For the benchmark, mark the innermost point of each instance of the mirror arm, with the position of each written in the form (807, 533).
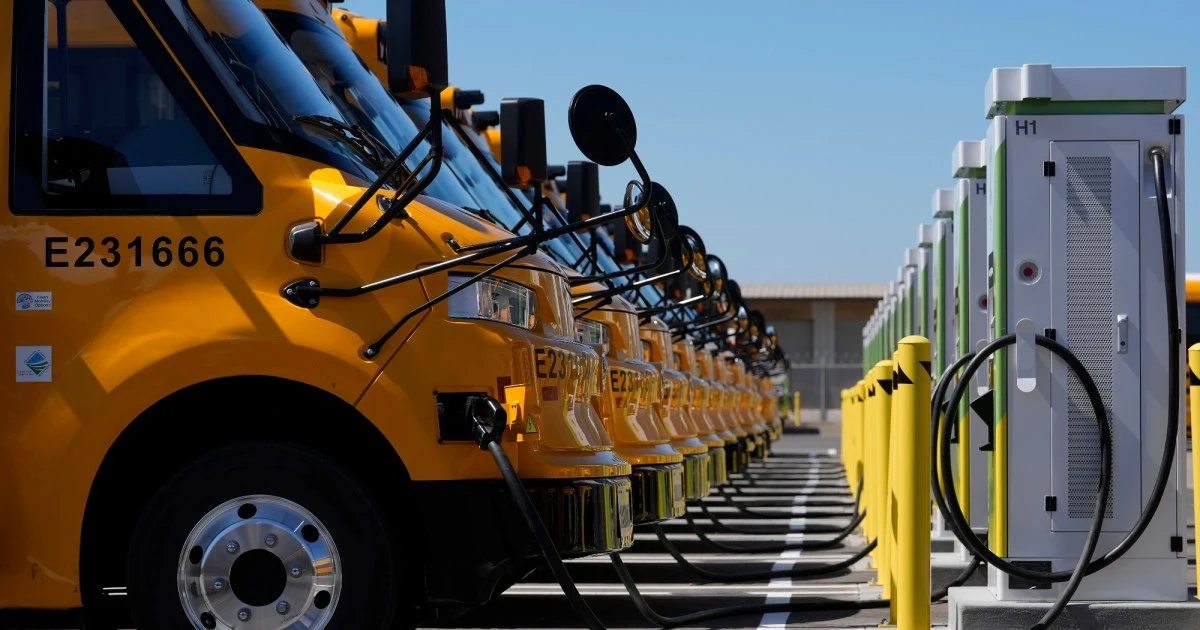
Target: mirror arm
(530, 217)
(601, 245)
(693, 327)
(372, 350)
(586, 249)
(642, 300)
(647, 185)
(526, 215)
(432, 131)
(599, 304)
(659, 310)
(307, 292)
(589, 255)
(553, 233)
(624, 273)
(633, 286)
(663, 256)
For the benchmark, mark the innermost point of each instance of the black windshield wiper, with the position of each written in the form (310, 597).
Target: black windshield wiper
(371, 149)
(486, 215)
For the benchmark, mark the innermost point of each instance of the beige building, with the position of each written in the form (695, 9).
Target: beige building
(820, 329)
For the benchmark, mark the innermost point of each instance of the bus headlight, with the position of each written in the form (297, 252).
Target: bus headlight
(493, 298)
(592, 333)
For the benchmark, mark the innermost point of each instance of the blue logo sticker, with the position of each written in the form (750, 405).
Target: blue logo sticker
(34, 301)
(37, 363)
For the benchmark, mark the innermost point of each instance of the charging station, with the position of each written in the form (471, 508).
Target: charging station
(871, 337)
(1075, 255)
(892, 314)
(925, 284)
(895, 313)
(942, 327)
(882, 324)
(911, 294)
(968, 201)
(936, 274)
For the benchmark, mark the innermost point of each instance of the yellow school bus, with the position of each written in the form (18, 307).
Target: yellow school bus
(256, 356)
(657, 447)
(1192, 330)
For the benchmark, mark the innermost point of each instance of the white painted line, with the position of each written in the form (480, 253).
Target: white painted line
(787, 560)
(695, 590)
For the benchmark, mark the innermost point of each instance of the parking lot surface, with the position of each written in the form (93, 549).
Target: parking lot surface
(799, 489)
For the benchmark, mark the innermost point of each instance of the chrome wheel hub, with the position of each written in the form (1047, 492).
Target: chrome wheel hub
(259, 563)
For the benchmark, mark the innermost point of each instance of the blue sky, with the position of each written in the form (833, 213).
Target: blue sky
(803, 140)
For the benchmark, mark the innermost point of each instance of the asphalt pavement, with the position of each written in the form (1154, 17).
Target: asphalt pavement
(798, 494)
(798, 490)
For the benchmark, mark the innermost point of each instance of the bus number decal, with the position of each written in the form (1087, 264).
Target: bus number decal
(621, 380)
(109, 251)
(550, 363)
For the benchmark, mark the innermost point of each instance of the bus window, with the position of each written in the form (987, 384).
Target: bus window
(101, 131)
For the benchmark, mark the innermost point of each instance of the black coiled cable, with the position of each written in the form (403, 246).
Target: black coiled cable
(963, 529)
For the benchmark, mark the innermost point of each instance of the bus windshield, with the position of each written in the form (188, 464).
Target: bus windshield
(272, 85)
(358, 94)
(487, 194)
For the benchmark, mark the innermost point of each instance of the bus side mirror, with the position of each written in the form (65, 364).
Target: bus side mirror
(734, 292)
(484, 119)
(415, 53)
(461, 100)
(523, 143)
(583, 191)
(717, 274)
(626, 248)
(602, 125)
(666, 216)
(666, 213)
(692, 254)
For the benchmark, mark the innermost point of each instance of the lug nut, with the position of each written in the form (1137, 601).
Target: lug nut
(232, 546)
(244, 614)
(270, 540)
(282, 608)
(218, 584)
(296, 571)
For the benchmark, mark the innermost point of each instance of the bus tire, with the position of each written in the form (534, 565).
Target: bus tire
(264, 529)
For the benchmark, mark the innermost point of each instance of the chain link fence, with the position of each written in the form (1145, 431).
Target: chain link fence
(820, 385)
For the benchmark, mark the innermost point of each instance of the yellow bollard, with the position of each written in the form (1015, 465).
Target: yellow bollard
(846, 412)
(796, 407)
(856, 437)
(860, 432)
(1194, 401)
(848, 430)
(908, 486)
(887, 529)
(854, 422)
(877, 427)
(887, 410)
(868, 452)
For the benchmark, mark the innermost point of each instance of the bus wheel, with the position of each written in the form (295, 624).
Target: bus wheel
(263, 536)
